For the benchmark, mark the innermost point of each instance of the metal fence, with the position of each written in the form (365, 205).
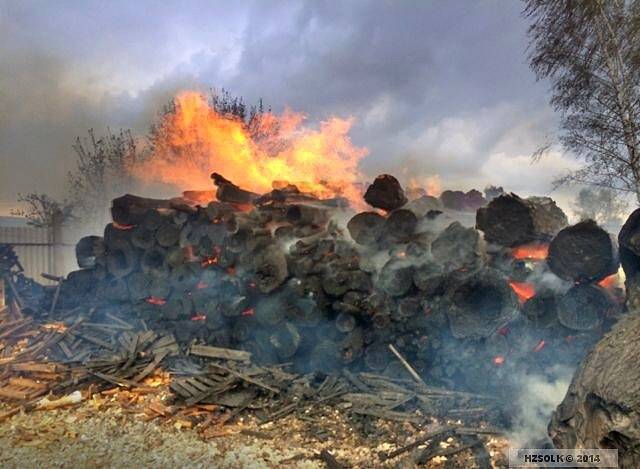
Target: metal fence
(39, 250)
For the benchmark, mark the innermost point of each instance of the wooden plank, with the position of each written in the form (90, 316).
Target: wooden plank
(219, 352)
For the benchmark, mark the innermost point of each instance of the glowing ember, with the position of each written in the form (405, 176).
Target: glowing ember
(119, 226)
(201, 285)
(539, 347)
(199, 317)
(531, 252)
(524, 290)
(498, 360)
(609, 282)
(154, 300)
(195, 140)
(210, 260)
(248, 312)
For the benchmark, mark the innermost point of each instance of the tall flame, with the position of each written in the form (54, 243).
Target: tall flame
(195, 140)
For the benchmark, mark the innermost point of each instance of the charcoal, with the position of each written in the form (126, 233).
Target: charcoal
(366, 227)
(385, 193)
(583, 252)
(511, 221)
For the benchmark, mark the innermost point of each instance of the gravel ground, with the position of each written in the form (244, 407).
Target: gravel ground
(81, 437)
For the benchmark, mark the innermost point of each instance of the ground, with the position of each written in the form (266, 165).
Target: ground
(102, 433)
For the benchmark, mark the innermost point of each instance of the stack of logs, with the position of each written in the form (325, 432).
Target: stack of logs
(282, 276)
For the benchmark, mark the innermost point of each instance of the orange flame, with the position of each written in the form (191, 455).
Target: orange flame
(524, 290)
(195, 140)
(609, 282)
(532, 252)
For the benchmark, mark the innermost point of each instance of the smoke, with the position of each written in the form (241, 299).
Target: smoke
(537, 398)
(471, 120)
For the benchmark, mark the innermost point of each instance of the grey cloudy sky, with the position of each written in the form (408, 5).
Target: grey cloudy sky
(437, 88)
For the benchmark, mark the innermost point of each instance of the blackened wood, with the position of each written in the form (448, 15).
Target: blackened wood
(399, 226)
(385, 193)
(308, 214)
(168, 234)
(366, 227)
(87, 249)
(131, 209)
(509, 220)
(457, 248)
(122, 259)
(286, 340)
(229, 192)
(583, 252)
(270, 268)
(629, 243)
(143, 237)
(583, 307)
(479, 303)
(396, 278)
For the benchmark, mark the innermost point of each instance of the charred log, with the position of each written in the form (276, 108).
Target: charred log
(583, 252)
(385, 193)
(510, 221)
(583, 307)
(87, 249)
(366, 227)
(479, 304)
(229, 192)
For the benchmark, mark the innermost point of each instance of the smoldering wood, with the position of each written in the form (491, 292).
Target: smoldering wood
(542, 309)
(285, 340)
(386, 193)
(131, 209)
(143, 237)
(122, 259)
(87, 249)
(396, 278)
(462, 201)
(167, 234)
(583, 307)
(399, 226)
(479, 303)
(428, 277)
(154, 263)
(229, 192)
(270, 269)
(583, 252)
(307, 214)
(366, 227)
(457, 248)
(510, 221)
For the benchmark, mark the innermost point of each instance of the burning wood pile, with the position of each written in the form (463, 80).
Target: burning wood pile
(290, 277)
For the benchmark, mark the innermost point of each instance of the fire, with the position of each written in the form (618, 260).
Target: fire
(154, 300)
(202, 285)
(417, 187)
(609, 282)
(524, 290)
(195, 140)
(531, 252)
(199, 317)
(539, 346)
(498, 360)
(248, 312)
(120, 226)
